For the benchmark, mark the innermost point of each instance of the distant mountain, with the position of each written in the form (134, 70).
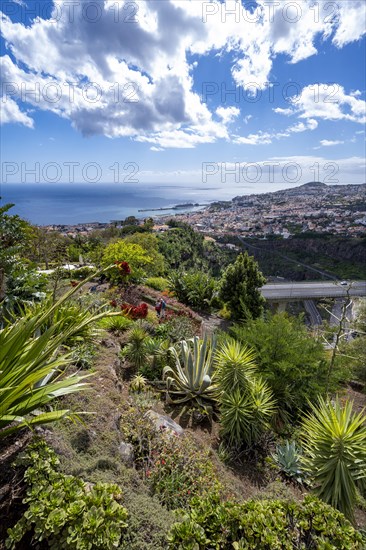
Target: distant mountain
(306, 189)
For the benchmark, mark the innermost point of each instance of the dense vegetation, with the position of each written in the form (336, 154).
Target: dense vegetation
(266, 449)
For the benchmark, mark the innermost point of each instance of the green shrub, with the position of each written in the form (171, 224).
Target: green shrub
(175, 468)
(83, 355)
(117, 323)
(176, 329)
(83, 272)
(193, 288)
(181, 471)
(148, 522)
(64, 511)
(138, 383)
(292, 362)
(246, 415)
(263, 525)
(157, 283)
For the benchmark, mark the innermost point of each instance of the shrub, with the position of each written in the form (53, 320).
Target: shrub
(175, 467)
(239, 288)
(82, 272)
(157, 283)
(138, 383)
(193, 288)
(246, 402)
(83, 355)
(176, 328)
(265, 525)
(64, 511)
(334, 442)
(180, 471)
(235, 366)
(289, 359)
(117, 323)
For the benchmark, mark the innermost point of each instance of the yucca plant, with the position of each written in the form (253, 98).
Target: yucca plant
(138, 383)
(32, 367)
(334, 443)
(246, 415)
(189, 381)
(235, 366)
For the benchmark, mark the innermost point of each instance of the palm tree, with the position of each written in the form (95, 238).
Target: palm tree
(334, 443)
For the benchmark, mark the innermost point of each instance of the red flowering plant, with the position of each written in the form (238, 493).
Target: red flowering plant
(74, 283)
(123, 267)
(135, 312)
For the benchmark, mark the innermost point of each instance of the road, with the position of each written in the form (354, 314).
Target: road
(307, 291)
(312, 311)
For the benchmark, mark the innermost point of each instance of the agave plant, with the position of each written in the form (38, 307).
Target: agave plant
(288, 459)
(189, 381)
(334, 443)
(32, 367)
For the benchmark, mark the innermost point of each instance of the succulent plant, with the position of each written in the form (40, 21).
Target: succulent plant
(189, 381)
(288, 459)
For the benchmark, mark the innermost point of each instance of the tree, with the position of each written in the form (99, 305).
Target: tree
(182, 247)
(137, 258)
(289, 358)
(150, 244)
(14, 236)
(239, 288)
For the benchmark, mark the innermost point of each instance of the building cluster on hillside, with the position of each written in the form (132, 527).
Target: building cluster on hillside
(339, 210)
(311, 208)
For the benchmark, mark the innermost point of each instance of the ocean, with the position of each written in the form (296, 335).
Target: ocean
(45, 204)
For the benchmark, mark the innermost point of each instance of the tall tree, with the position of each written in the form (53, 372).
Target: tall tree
(239, 288)
(14, 236)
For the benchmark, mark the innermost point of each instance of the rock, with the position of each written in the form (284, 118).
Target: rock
(126, 452)
(108, 343)
(163, 422)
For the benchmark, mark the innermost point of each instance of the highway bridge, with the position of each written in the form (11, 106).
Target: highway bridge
(289, 292)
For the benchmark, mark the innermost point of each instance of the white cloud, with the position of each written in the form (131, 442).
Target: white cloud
(148, 60)
(228, 114)
(261, 138)
(265, 138)
(330, 143)
(286, 112)
(328, 102)
(10, 112)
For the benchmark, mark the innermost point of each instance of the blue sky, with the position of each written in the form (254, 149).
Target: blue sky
(183, 91)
